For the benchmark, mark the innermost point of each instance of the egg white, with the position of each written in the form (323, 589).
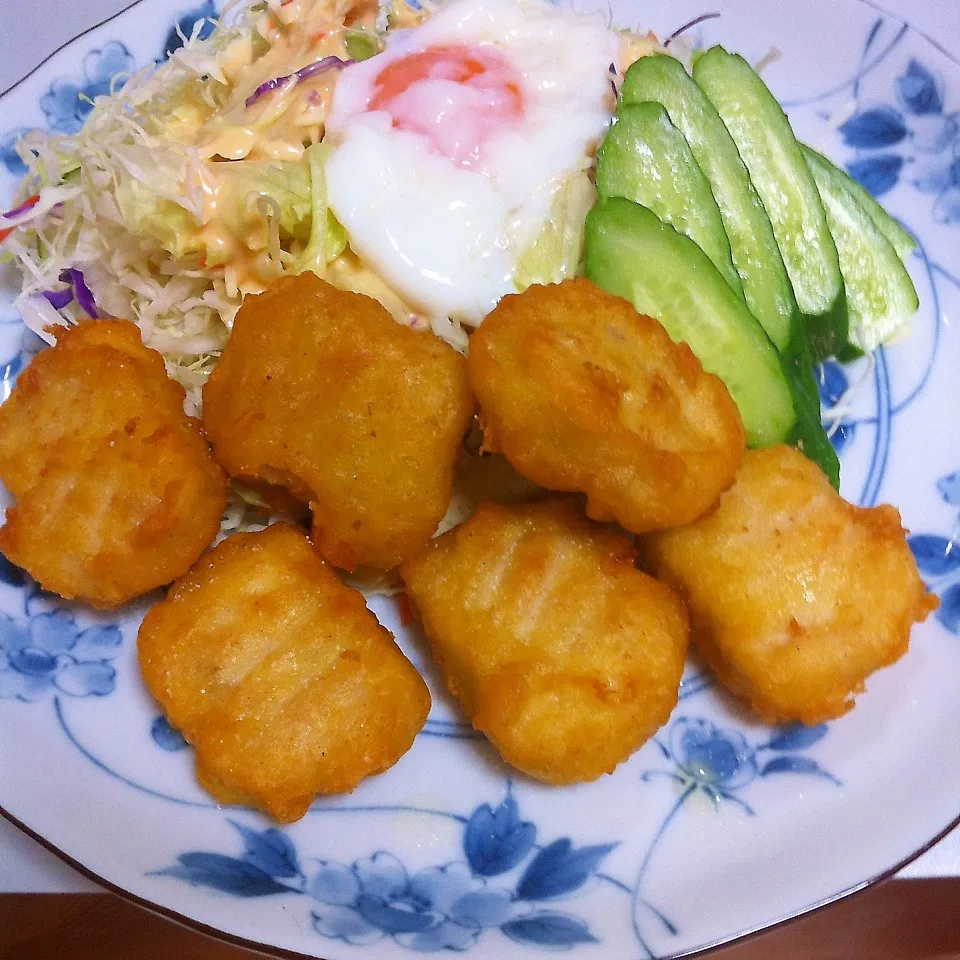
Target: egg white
(444, 235)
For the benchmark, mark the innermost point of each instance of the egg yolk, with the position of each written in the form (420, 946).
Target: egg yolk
(454, 95)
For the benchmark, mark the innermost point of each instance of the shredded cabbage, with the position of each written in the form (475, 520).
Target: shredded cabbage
(143, 204)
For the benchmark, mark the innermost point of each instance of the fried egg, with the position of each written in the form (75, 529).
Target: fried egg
(448, 147)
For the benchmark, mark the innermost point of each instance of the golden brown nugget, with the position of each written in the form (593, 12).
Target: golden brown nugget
(795, 595)
(279, 675)
(321, 391)
(582, 393)
(116, 490)
(563, 653)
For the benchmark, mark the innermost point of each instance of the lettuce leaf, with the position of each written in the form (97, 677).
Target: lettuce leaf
(327, 238)
(147, 213)
(288, 184)
(555, 254)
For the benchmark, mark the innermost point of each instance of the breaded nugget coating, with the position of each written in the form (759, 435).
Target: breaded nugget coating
(321, 391)
(279, 675)
(795, 595)
(116, 490)
(563, 653)
(582, 393)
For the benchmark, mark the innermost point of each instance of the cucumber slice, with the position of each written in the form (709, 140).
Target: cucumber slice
(766, 285)
(645, 158)
(902, 242)
(881, 297)
(633, 254)
(770, 150)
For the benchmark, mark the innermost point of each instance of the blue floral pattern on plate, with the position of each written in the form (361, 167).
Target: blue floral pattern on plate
(47, 652)
(449, 907)
(445, 907)
(924, 135)
(720, 763)
(69, 100)
(8, 152)
(167, 737)
(938, 557)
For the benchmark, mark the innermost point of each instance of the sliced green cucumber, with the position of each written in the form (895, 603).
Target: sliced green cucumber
(881, 297)
(645, 158)
(632, 253)
(753, 245)
(903, 242)
(767, 145)
(766, 285)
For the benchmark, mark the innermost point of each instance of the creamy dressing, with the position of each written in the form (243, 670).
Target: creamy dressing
(236, 234)
(280, 124)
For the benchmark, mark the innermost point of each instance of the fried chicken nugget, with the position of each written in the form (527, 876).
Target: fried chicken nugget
(795, 595)
(563, 653)
(279, 675)
(116, 490)
(321, 391)
(582, 393)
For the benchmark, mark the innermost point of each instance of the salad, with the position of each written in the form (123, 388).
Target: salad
(202, 180)
(137, 215)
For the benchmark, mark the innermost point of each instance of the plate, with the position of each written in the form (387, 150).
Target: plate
(719, 826)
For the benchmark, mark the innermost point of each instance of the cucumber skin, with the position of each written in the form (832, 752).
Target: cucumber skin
(715, 72)
(829, 332)
(612, 222)
(766, 284)
(808, 433)
(665, 178)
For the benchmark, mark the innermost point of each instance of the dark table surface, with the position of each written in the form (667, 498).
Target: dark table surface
(898, 920)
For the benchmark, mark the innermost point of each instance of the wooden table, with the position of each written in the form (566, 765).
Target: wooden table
(898, 920)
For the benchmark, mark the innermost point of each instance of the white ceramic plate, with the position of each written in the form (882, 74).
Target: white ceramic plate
(719, 826)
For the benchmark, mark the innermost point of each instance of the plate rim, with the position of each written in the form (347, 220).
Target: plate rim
(872, 4)
(271, 950)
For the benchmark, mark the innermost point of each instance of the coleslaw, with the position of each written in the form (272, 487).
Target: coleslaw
(138, 215)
